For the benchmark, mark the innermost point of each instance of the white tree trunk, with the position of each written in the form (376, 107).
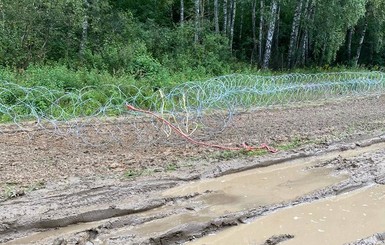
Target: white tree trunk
(233, 12)
(253, 27)
(260, 38)
(294, 33)
(225, 18)
(197, 18)
(305, 41)
(277, 29)
(85, 27)
(181, 12)
(350, 38)
(216, 16)
(304, 48)
(241, 21)
(358, 54)
(270, 34)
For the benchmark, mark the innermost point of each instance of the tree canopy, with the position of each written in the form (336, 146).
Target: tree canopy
(149, 37)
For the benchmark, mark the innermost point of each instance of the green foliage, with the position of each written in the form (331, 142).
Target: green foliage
(330, 26)
(142, 42)
(133, 173)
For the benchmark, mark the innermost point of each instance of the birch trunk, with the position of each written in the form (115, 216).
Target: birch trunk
(229, 17)
(294, 33)
(181, 12)
(253, 24)
(270, 34)
(305, 41)
(304, 49)
(85, 27)
(350, 38)
(225, 17)
(241, 21)
(216, 16)
(358, 54)
(197, 17)
(260, 38)
(233, 12)
(277, 29)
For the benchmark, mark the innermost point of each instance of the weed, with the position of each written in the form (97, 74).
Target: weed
(171, 167)
(295, 143)
(13, 191)
(133, 173)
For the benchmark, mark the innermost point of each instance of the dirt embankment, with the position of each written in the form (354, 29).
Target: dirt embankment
(174, 193)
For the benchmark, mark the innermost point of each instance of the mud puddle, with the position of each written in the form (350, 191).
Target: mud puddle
(338, 220)
(40, 236)
(264, 186)
(228, 194)
(247, 190)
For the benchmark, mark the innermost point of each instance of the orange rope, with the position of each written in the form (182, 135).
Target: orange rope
(188, 138)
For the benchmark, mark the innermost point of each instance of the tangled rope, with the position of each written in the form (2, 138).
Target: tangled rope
(188, 138)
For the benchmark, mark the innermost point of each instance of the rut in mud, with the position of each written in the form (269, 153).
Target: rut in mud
(85, 201)
(171, 212)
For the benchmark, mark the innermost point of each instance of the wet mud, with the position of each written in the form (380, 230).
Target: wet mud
(301, 195)
(337, 220)
(295, 201)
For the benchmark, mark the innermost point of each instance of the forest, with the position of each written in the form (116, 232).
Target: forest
(69, 44)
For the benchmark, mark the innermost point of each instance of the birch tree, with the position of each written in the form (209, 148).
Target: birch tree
(361, 41)
(349, 42)
(225, 17)
(294, 33)
(270, 34)
(85, 26)
(254, 29)
(197, 21)
(232, 22)
(260, 35)
(216, 16)
(181, 12)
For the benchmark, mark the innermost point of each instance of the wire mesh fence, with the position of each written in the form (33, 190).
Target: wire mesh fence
(99, 115)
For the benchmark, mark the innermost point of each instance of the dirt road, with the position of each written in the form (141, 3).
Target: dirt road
(332, 155)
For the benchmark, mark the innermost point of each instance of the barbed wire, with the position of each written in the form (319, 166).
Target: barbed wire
(99, 115)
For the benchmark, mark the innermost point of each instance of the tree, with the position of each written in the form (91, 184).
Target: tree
(197, 20)
(232, 22)
(270, 34)
(216, 16)
(261, 24)
(294, 33)
(181, 12)
(225, 17)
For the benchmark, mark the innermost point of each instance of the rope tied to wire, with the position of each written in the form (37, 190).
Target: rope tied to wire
(244, 146)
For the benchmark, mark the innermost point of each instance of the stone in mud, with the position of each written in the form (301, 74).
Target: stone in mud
(274, 240)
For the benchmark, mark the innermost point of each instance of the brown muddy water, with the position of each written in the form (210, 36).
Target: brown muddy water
(334, 220)
(251, 189)
(338, 220)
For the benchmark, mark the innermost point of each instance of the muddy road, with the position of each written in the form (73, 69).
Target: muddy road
(326, 185)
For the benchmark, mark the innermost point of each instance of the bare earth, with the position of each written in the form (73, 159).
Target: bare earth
(144, 188)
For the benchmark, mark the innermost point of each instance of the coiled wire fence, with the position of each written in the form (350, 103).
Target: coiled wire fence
(99, 115)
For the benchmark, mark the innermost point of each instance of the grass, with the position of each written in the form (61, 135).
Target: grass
(133, 173)
(286, 146)
(171, 167)
(295, 143)
(62, 94)
(12, 191)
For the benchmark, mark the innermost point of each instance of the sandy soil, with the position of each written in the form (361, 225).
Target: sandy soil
(59, 190)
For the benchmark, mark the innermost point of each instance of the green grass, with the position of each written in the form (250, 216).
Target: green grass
(133, 173)
(12, 191)
(59, 93)
(171, 167)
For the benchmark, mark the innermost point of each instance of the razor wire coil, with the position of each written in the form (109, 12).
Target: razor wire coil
(208, 105)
